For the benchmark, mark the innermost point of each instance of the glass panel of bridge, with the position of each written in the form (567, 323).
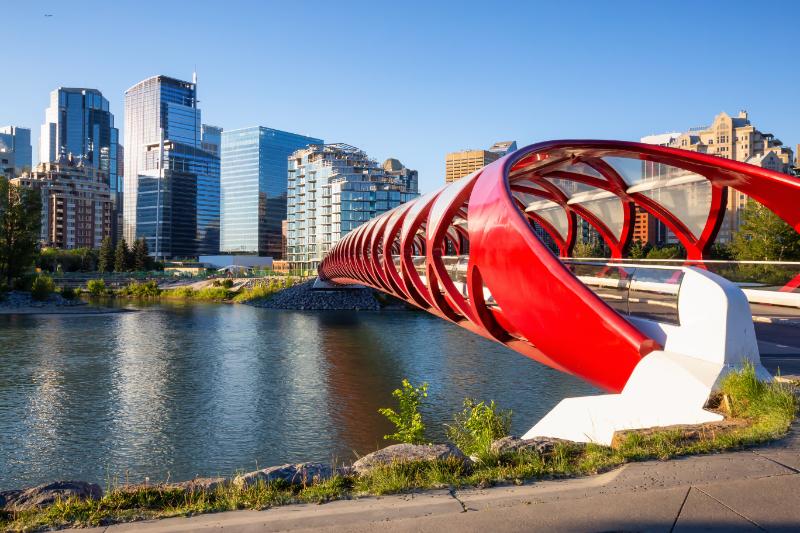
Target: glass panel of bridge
(609, 211)
(632, 171)
(689, 202)
(571, 188)
(556, 217)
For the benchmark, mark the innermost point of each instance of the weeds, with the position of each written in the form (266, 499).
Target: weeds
(475, 428)
(408, 419)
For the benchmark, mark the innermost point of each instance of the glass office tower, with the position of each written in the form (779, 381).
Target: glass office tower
(79, 122)
(333, 189)
(253, 188)
(167, 171)
(17, 141)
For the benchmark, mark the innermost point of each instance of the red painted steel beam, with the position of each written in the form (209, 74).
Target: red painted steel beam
(518, 292)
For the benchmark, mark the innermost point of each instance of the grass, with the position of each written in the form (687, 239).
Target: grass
(765, 409)
(261, 290)
(208, 294)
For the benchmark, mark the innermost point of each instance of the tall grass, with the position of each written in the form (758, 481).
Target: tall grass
(263, 289)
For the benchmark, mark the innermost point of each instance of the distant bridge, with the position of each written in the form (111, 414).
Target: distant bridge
(468, 253)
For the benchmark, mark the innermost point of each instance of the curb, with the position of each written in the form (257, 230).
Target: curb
(777, 320)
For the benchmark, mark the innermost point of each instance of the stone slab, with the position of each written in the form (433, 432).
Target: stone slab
(700, 512)
(773, 503)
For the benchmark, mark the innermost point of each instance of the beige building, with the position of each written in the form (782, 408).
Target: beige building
(76, 203)
(732, 138)
(464, 163)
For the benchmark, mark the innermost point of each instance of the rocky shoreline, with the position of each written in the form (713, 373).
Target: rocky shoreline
(302, 297)
(299, 474)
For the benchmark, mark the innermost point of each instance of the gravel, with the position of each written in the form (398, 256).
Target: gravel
(301, 297)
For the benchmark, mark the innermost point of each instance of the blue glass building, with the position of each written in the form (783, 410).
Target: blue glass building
(172, 185)
(79, 122)
(16, 141)
(253, 188)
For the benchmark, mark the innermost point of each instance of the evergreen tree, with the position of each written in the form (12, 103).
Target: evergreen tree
(122, 257)
(105, 262)
(139, 251)
(20, 225)
(764, 236)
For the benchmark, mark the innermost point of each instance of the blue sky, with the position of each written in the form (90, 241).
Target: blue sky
(415, 80)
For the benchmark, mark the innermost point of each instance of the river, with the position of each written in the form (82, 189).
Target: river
(173, 391)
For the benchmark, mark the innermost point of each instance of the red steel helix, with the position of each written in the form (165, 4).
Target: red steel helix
(514, 289)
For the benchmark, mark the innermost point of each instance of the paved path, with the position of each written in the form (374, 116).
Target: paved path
(753, 490)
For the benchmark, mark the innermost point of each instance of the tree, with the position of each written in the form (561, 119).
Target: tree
(105, 262)
(20, 226)
(764, 236)
(637, 250)
(122, 257)
(140, 254)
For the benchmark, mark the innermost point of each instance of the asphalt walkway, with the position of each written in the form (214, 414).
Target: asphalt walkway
(752, 490)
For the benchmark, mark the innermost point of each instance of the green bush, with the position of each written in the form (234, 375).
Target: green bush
(24, 282)
(477, 426)
(228, 283)
(96, 287)
(408, 421)
(69, 293)
(147, 289)
(42, 287)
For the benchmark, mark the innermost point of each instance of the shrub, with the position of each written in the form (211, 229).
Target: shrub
(69, 293)
(477, 426)
(228, 283)
(24, 282)
(96, 287)
(42, 287)
(147, 289)
(408, 421)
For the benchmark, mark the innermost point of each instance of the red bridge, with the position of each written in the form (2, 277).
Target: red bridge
(469, 252)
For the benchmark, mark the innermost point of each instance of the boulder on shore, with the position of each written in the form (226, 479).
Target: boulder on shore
(48, 494)
(293, 474)
(542, 445)
(407, 453)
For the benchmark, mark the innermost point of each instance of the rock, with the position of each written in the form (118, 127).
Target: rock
(406, 453)
(49, 493)
(293, 474)
(200, 484)
(541, 445)
(6, 497)
(302, 297)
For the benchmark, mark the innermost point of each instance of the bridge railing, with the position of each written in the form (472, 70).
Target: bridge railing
(643, 291)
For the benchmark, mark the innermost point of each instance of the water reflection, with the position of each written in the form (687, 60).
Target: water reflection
(174, 391)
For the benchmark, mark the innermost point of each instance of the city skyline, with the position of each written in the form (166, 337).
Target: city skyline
(636, 83)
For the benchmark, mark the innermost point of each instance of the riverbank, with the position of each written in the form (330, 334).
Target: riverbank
(302, 297)
(756, 412)
(22, 303)
(748, 490)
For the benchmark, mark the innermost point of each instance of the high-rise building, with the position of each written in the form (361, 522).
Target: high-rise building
(465, 162)
(211, 138)
(77, 205)
(729, 137)
(333, 189)
(79, 122)
(15, 147)
(255, 164)
(171, 186)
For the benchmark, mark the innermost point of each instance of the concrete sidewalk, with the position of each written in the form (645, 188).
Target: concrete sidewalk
(753, 490)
